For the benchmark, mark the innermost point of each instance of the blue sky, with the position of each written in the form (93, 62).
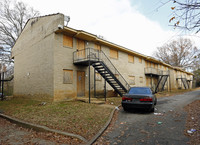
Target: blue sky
(134, 24)
(155, 10)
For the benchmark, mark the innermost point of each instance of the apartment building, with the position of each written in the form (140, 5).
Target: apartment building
(56, 62)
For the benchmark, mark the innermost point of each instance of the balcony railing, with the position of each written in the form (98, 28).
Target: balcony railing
(154, 71)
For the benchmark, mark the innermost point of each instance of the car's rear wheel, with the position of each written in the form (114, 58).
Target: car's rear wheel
(152, 109)
(125, 109)
(155, 102)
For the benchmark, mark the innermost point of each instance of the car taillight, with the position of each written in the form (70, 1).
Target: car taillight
(147, 99)
(126, 98)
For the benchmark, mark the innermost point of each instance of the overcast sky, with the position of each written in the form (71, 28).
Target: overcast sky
(134, 24)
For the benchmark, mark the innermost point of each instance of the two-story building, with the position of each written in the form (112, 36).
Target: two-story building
(56, 62)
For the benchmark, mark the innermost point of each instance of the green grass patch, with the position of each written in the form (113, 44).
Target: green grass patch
(75, 117)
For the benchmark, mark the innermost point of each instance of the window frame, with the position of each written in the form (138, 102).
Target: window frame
(66, 41)
(70, 72)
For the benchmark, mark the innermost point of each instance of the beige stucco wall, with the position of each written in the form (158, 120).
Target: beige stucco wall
(41, 57)
(33, 54)
(63, 59)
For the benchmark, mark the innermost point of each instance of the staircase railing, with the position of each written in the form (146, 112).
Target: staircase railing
(110, 65)
(162, 83)
(85, 55)
(150, 70)
(155, 71)
(93, 55)
(184, 81)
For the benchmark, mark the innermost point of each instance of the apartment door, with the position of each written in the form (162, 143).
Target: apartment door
(81, 49)
(80, 83)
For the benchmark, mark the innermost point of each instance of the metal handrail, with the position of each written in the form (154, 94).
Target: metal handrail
(98, 55)
(110, 65)
(155, 71)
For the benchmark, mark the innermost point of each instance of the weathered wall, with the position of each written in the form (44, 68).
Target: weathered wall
(41, 58)
(33, 54)
(63, 59)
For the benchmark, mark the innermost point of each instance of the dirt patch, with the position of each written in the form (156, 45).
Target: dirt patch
(12, 134)
(193, 122)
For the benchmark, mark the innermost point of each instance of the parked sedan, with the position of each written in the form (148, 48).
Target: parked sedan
(139, 97)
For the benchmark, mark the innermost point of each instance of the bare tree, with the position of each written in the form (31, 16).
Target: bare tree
(181, 53)
(13, 17)
(186, 14)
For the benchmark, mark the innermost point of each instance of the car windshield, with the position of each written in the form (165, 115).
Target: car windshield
(139, 91)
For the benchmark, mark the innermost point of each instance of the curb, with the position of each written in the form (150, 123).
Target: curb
(103, 129)
(41, 128)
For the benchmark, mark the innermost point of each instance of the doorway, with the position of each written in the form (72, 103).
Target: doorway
(80, 83)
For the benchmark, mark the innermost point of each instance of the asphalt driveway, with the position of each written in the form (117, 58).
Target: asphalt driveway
(164, 128)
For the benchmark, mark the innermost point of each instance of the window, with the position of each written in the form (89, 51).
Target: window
(67, 41)
(80, 44)
(67, 76)
(98, 77)
(146, 64)
(132, 80)
(140, 60)
(141, 79)
(97, 47)
(130, 58)
(149, 64)
(139, 90)
(113, 53)
(153, 65)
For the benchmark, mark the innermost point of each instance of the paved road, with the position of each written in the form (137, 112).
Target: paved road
(143, 128)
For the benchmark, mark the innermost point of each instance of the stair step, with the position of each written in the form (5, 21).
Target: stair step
(109, 77)
(100, 69)
(105, 74)
(97, 64)
(103, 71)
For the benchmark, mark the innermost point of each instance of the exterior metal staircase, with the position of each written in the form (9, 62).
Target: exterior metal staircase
(103, 66)
(161, 83)
(185, 82)
(160, 75)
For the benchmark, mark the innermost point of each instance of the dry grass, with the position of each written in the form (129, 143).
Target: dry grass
(116, 101)
(75, 117)
(172, 93)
